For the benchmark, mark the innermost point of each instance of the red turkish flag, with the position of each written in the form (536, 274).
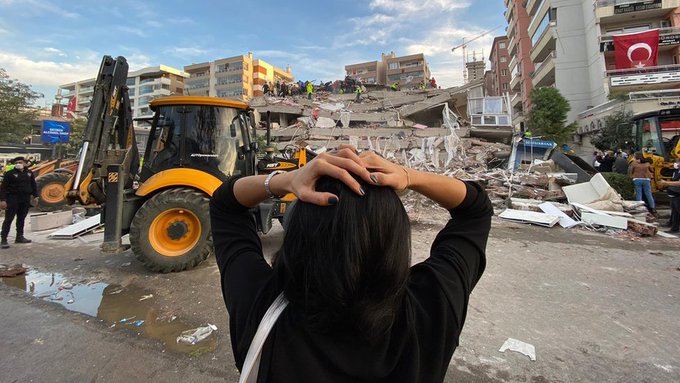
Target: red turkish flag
(71, 104)
(637, 50)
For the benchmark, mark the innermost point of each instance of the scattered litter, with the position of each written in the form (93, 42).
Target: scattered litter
(519, 346)
(137, 323)
(196, 335)
(126, 264)
(145, 297)
(665, 235)
(117, 291)
(124, 320)
(70, 301)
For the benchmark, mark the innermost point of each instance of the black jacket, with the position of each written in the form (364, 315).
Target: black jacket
(420, 345)
(17, 182)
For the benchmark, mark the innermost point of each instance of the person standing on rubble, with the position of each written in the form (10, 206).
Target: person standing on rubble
(359, 91)
(673, 189)
(310, 90)
(642, 173)
(395, 86)
(265, 88)
(18, 185)
(353, 307)
(433, 83)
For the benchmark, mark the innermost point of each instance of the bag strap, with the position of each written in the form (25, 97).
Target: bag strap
(251, 365)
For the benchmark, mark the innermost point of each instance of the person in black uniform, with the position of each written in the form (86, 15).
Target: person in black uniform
(18, 185)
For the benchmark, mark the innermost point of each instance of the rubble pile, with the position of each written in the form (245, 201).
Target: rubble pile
(419, 130)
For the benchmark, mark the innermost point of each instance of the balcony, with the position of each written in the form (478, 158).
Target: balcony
(516, 82)
(658, 77)
(85, 90)
(544, 74)
(516, 100)
(532, 6)
(544, 45)
(667, 37)
(513, 63)
(611, 11)
(511, 29)
(512, 45)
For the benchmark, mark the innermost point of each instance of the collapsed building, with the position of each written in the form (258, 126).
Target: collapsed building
(457, 132)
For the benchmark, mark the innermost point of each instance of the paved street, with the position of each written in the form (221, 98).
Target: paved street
(596, 308)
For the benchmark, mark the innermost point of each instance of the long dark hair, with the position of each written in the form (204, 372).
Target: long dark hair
(345, 267)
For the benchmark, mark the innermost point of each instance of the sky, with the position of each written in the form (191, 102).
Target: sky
(47, 43)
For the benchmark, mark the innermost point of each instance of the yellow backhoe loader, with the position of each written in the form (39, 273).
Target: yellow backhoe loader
(194, 144)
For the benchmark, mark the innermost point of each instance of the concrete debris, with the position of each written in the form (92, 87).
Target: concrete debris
(8, 271)
(430, 131)
(522, 216)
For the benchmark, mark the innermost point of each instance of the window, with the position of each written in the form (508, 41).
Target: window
(504, 72)
(394, 65)
(501, 45)
(504, 59)
(505, 86)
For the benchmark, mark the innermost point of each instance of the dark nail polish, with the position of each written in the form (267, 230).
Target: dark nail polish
(333, 200)
(361, 190)
(374, 179)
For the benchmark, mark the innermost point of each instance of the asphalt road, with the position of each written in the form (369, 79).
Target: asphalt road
(596, 309)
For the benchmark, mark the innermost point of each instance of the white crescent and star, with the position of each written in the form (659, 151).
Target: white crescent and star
(637, 46)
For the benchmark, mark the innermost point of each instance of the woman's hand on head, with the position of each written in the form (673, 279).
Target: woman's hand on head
(340, 164)
(385, 172)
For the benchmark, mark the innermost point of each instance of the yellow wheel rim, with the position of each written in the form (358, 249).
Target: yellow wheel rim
(52, 193)
(174, 232)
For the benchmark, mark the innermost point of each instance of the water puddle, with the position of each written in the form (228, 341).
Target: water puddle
(128, 308)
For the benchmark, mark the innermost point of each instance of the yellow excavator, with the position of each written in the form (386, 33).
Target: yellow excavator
(661, 151)
(194, 144)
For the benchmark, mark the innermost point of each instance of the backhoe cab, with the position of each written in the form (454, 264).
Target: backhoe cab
(194, 144)
(661, 151)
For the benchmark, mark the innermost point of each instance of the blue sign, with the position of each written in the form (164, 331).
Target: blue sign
(55, 132)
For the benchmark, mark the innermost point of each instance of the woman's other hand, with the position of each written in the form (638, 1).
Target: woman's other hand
(384, 172)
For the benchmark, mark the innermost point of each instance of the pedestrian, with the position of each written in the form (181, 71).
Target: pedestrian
(310, 90)
(18, 185)
(351, 307)
(433, 83)
(620, 164)
(673, 189)
(642, 173)
(607, 162)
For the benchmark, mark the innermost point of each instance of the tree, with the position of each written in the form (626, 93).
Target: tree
(16, 112)
(617, 132)
(548, 115)
(75, 141)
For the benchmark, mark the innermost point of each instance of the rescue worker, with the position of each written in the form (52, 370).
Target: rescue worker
(310, 90)
(395, 86)
(359, 91)
(18, 185)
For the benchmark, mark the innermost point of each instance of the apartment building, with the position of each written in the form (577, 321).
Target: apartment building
(641, 89)
(500, 67)
(520, 66)
(143, 86)
(239, 77)
(409, 70)
(263, 73)
(565, 53)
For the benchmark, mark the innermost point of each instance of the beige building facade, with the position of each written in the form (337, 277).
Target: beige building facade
(409, 70)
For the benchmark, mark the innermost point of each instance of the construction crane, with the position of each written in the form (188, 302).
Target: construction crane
(464, 45)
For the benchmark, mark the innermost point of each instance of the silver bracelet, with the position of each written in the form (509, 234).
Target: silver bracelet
(268, 180)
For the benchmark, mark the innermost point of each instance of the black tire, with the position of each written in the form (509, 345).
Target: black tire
(141, 231)
(53, 181)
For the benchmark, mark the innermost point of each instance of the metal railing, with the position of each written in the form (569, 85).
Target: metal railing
(608, 3)
(662, 32)
(643, 70)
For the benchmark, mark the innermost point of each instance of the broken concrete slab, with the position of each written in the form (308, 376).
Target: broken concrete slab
(604, 220)
(51, 220)
(531, 217)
